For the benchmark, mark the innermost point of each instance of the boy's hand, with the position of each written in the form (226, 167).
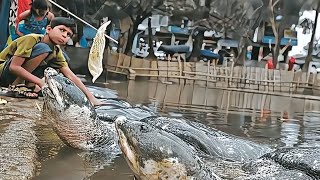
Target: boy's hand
(37, 89)
(95, 102)
(41, 83)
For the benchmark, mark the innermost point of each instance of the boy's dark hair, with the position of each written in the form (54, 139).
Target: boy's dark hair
(63, 21)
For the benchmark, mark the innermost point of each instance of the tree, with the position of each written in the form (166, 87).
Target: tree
(137, 11)
(287, 12)
(313, 5)
(231, 17)
(140, 10)
(235, 19)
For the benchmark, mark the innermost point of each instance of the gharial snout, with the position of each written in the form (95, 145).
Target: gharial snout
(120, 123)
(49, 72)
(51, 89)
(120, 120)
(126, 147)
(130, 129)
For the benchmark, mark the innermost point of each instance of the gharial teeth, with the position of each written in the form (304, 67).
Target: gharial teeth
(51, 95)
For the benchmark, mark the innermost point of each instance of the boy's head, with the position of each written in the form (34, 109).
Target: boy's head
(60, 30)
(63, 21)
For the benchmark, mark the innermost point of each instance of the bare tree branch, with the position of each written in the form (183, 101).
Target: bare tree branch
(275, 3)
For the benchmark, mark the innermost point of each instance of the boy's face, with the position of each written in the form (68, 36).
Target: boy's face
(60, 34)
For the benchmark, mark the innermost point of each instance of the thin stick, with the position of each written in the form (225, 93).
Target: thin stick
(80, 19)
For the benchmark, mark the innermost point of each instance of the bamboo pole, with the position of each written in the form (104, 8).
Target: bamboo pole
(85, 22)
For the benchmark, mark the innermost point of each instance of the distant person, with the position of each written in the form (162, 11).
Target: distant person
(35, 20)
(291, 63)
(23, 62)
(270, 63)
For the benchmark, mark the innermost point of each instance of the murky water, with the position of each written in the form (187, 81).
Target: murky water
(274, 120)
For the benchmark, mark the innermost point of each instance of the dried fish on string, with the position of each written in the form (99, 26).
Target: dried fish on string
(96, 52)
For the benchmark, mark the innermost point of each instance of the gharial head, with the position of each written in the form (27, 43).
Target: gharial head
(69, 111)
(155, 154)
(61, 92)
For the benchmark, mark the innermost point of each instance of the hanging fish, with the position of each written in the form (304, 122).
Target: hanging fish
(96, 52)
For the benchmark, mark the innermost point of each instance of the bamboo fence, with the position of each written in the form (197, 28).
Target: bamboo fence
(207, 74)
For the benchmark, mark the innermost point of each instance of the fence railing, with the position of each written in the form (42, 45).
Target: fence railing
(208, 74)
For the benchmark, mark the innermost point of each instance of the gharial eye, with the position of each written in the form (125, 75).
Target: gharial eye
(68, 81)
(143, 127)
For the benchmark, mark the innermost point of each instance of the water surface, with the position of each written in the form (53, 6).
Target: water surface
(273, 120)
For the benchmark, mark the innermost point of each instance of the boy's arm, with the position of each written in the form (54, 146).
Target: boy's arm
(17, 69)
(50, 16)
(69, 74)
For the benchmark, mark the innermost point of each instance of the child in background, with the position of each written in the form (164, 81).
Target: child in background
(35, 20)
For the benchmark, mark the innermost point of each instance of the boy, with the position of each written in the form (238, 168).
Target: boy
(26, 58)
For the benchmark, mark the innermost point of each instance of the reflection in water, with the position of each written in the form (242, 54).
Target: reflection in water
(72, 164)
(278, 121)
(310, 129)
(281, 121)
(290, 133)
